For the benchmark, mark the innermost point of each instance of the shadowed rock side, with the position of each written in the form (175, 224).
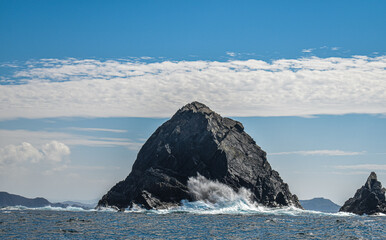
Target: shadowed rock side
(369, 199)
(194, 141)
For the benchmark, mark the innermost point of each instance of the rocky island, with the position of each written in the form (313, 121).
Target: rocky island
(369, 199)
(197, 142)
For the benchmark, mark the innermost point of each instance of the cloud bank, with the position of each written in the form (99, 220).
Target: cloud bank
(48, 158)
(124, 88)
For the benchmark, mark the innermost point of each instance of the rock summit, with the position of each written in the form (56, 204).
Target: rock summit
(369, 199)
(198, 142)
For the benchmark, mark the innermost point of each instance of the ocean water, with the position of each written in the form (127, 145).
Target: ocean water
(194, 220)
(218, 212)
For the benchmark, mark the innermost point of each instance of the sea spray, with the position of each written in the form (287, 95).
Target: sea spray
(212, 197)
(208, 191)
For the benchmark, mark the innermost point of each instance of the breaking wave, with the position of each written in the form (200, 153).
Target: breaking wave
(213, 197)
(214, 192)
(12, 208)
(51, 208)
(236, 207)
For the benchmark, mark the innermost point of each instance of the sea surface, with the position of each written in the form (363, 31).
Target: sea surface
(197, 220)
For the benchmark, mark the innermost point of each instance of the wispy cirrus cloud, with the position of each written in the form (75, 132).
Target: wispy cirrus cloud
(40, 137)
(127, 88)
(371, 167)
(98, 130)
(320, 152)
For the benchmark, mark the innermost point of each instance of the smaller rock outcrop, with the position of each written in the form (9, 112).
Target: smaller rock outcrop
(369, 199)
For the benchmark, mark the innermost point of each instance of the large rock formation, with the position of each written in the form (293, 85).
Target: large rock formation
(369, 199)
(195, 141)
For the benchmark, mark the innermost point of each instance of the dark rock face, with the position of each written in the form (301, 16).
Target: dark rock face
(194, 141)
(369, 199)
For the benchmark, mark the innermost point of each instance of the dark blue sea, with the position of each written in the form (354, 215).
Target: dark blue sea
(192, 221)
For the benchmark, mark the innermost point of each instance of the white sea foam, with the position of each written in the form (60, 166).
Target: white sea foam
(205, 190)
(69, 208)
(213, 197)
(236, 207)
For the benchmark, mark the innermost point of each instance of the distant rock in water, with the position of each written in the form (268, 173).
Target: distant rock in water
(369, 199)
(7, 199)
(198, 142)
(320, 204)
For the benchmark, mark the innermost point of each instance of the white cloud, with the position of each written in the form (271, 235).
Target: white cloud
(285, 87)
(146, 58)
(98, 130)
(340, 173)
(54, 151)
(320, 152)
(371, 167)
(26, 153)
(9, 65)
(46, 170)
(42, 137)
(308, 50)
(335, 48)
(231, 54)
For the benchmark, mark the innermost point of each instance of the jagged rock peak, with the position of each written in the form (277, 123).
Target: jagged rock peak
(196, 107)
(371, 180)
(217, 121)
(369, 199)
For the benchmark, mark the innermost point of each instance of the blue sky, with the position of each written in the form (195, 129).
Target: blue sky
(178, 29)
(84, 83)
